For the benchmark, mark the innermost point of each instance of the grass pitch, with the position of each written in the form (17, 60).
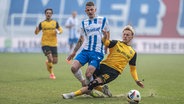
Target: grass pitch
(25, 80)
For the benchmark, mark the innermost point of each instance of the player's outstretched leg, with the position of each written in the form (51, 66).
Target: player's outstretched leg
(68, 95)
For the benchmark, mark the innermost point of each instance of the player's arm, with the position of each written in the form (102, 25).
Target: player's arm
(107, 37)
(133, 71)
(37, 30)
(59, 28)
(78, 45)
(108, 43)
(106, 28)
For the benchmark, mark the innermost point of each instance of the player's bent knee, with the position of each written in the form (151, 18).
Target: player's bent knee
(93, 84)
(50, 59)
(55, 62)
(73, 69)
(88, 75)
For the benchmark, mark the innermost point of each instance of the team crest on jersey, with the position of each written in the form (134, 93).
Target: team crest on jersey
(99, 22)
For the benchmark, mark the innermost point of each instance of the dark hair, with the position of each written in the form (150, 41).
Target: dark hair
(48, 9)
(90, 3)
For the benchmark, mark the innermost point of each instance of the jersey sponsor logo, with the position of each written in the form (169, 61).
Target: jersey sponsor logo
(93, 29)
(48, 28)
(121, 46)
(131, 52)
(123, 53)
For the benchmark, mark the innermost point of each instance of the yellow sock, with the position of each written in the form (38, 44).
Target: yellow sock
(78, 92)
(49, 67)
(98, 88)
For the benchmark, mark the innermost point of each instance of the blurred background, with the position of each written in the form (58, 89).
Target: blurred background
(159, 24)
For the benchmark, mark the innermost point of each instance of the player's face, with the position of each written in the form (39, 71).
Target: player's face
(74, 14)
(90, 11)
(127, 36)
(48, 14)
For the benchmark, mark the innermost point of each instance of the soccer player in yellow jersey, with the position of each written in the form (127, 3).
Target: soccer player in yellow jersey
(121, 54)
(50, 29)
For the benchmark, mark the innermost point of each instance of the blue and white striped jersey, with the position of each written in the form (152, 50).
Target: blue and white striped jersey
(92, 31)
(73, 31)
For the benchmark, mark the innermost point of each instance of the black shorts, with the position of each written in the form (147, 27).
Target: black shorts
(106, 73)
(50, 50)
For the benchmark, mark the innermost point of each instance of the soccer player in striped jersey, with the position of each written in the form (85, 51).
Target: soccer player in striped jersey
(50, 28)
(121, 54)
(93, 48)
(72, 25)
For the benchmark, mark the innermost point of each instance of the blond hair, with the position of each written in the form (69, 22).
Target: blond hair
(130, 28)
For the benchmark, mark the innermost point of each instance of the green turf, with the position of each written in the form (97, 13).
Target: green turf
(24, 80)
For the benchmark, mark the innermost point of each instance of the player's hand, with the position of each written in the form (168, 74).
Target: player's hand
(106, 50)
(71, 56)
(37, 30)
(57, 32)
(105, 33)
(139, 83)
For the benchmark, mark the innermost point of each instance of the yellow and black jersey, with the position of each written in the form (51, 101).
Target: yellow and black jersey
(49, 36)
(120, 55)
